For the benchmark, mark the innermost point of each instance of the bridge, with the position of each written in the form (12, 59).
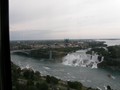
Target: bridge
(23, 51)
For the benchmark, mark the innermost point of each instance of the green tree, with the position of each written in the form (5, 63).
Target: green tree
(75, 85)
(42, 86)
(51, 79)
(28, 74)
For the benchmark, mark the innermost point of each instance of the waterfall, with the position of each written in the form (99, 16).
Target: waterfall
(80, 58)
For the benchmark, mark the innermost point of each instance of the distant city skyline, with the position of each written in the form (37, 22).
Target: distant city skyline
(60, 19)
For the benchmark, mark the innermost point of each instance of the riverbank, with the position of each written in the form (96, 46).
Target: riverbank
(111, 55)
(57, 48)
(70, 73)
(48, 53)
(27, 79)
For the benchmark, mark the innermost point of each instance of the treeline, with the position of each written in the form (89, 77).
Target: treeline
(27, 79)
(94, 44)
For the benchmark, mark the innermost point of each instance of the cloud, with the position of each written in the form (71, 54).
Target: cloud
(66, 17)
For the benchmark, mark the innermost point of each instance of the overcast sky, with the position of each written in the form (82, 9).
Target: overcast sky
(60, 19)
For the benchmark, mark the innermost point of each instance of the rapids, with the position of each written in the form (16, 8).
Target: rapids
(80, 58)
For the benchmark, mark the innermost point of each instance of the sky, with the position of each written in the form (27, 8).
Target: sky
(61, 19)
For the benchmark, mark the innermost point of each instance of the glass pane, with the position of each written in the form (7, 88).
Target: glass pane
(65, 44)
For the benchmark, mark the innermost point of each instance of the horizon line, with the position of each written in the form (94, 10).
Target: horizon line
(68, 38)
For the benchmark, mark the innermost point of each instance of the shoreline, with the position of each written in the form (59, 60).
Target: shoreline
(21, 79)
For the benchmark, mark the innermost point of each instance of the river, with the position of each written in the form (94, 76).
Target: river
(111, 42)
(96, 77)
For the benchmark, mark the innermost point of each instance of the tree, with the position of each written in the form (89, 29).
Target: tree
(28, 74)
(51, 79)
(75, 85)
(42, 86)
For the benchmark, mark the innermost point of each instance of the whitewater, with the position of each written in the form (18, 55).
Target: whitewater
(80, 58)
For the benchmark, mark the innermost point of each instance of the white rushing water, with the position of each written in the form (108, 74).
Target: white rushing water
(80, 58)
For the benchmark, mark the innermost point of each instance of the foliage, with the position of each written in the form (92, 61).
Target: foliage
(99, 51)
(96, 44)
(114, 51)
(111, 56)
(42, 86)
(51, 79)
(75, 85)
(28, 74)
(44, 53)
